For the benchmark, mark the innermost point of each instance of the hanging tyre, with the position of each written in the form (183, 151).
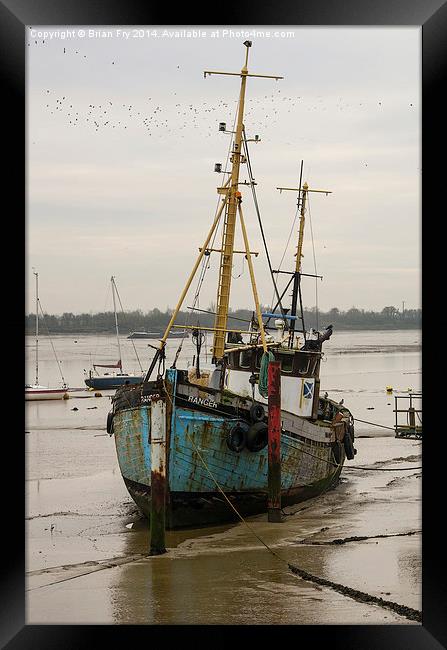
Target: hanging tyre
(349, 447)
(257, 413)
(236, 437)
(109, 426)
(257, 436)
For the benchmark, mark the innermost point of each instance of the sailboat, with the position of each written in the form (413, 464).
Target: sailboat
(36, 391)
(216, 422)
(115, 379)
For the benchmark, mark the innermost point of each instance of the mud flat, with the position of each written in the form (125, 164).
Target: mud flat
(87, 545)
(351, 556)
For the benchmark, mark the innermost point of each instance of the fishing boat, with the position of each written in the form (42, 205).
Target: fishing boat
(113, 380)
(215, 453)
(36, 391)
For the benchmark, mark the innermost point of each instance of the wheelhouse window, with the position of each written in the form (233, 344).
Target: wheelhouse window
(245, 358)
(313, 365)
(286, 362)
(302, 364)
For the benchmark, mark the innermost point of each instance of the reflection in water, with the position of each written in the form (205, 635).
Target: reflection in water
(409, 569)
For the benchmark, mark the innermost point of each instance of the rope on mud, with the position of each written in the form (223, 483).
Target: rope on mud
(359, 596)
(383, 469)
(229, 502)
(102, 564)
(374, 424)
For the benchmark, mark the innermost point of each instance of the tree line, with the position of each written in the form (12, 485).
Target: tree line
(156, 320)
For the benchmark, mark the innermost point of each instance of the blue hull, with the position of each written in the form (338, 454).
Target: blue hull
(105, 383)
(199, 457)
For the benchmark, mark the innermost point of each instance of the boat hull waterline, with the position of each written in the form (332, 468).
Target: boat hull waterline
(41, 392)
(112, 382)
(199, 458)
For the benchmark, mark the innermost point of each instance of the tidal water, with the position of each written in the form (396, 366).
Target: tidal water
(87, 544)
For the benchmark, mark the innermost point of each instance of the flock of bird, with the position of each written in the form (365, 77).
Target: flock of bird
(157, 119)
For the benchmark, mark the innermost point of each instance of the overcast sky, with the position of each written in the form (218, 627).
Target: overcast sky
(122, 138)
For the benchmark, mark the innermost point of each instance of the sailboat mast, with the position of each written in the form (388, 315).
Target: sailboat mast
(296, 291)
(37, 327)
(226, 258)
(116, 322)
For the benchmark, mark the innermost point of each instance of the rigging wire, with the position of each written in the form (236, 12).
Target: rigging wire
(315, 265)
(51, 342)
(106, 300)
(206, 264)
(255, 200)
(287, 244)
(236, 277)
(133, 344)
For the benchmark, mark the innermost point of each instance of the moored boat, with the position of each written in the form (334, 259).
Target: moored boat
(36, 391)
(216, 418)
(152, 335)
(113, 380)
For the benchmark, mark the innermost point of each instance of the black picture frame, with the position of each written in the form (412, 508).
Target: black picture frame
(431, 16)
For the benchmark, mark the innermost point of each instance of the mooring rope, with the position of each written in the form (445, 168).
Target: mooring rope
(355, 594)
(374, 424)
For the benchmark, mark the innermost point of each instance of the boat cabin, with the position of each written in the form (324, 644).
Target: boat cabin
(294, 363)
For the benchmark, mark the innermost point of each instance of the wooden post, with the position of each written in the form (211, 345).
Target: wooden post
(411, 418)
(158, 477)
(274, 442)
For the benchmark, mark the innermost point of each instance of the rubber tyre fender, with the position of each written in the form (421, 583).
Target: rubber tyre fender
(257, 413)
(337, 451)
(349, 447)
(257, 436)
(109, 426)
(236, 437)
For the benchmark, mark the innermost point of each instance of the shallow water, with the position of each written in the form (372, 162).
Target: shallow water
(80, 516)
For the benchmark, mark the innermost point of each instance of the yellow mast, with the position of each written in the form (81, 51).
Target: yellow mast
(230, 203)
(233, 195)
(226, 257)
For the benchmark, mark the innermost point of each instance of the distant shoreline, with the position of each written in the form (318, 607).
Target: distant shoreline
(389, 318)
(338, 328)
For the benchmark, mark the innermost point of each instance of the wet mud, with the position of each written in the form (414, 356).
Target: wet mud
(351, 556)
(360, 596)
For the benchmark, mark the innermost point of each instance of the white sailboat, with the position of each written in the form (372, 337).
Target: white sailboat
(36, 391)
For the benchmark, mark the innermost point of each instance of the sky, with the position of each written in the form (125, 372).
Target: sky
(122, 139)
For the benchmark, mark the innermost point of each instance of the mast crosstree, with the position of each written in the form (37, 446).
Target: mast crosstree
(233, 204)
